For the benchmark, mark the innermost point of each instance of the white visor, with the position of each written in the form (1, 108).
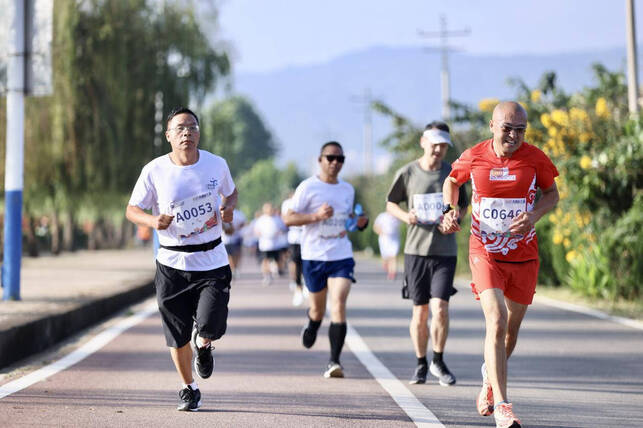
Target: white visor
(436, 136)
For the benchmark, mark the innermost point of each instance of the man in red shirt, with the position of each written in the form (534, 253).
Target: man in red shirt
(505, 173)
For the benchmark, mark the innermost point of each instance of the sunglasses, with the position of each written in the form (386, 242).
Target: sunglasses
(332, 158)
(508, 128)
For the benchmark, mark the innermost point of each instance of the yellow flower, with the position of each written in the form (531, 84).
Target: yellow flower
(585, 162)
(557, 238)
(488, 104)
(571, 256)
(567, 242)
(578, 115)
(560, 117)
(552, 131)
(601, 108)
(545, 119)
(552, 218)
(535, 95)
(584, 137)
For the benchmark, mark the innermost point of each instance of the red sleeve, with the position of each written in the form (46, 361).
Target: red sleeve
(461, 168)
(545, 171)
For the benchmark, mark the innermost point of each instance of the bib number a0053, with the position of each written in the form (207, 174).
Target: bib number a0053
(194, 215)
(496, 214)
(428, 207)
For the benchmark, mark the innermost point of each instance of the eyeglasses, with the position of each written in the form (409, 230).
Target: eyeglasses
(180, 129)
(332, 158)
(517, 129)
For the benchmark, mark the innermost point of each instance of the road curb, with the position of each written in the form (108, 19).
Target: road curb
(21, 341)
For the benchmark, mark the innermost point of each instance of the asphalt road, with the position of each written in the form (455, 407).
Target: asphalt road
(568, 370)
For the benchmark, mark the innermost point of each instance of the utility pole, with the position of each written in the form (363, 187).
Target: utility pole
(445, 84)
(367, 130)
(632, 66)
(14, 160)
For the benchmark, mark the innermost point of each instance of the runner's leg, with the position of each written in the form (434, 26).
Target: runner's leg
(182, 358)
(495, 355)
(419, 329)
(439, 323)
(516, 313)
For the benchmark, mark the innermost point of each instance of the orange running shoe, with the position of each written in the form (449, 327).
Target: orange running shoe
(505, 417)
(485, 398)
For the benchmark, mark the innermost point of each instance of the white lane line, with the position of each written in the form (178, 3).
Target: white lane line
(588, 311)
(419, 414)
(79, 354)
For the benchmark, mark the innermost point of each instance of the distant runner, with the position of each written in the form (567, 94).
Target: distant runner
(294, 254)
(323, 204)
(387, 228)
(232, 239)
(192, 273)
(505, 173)
(429, 255)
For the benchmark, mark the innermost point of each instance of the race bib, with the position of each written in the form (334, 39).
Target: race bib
(194, 215)
(496, 214)
(334, 227)
(428, 207)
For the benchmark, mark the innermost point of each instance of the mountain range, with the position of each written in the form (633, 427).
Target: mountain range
(305, 106)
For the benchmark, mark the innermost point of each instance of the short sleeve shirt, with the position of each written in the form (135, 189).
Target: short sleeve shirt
(325, 240)
(191, 194)
(389, 225)
(501, 189)
(422, 192)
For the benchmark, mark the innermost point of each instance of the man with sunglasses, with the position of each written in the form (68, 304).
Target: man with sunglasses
(193, 277)
(505, 173)
(323, 205)
(429, 256)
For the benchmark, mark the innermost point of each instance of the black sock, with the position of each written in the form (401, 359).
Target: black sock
(314, 325)
(422, 361)
(437, 357)
(336, 334)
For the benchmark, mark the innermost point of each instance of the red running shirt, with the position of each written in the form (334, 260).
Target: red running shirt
(502, 188)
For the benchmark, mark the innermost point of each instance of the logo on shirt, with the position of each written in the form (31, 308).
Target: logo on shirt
(212, 184)
(501, 174)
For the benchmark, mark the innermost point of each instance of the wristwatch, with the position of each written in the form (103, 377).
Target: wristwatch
(447, 208)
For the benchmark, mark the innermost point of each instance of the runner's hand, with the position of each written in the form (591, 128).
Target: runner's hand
(449, 223)
(362, 221)
(226, 213)
(522, 224)
(411, 217)
(162, 222)
(324, 212)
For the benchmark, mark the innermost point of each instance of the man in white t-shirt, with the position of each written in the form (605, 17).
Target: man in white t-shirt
(192, 279)
(232, 240)
(387, 228)
(268, 229)
(323, 205)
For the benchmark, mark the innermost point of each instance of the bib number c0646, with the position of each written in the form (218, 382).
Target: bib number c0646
(496, 214)
(428, 207)
(194, 215)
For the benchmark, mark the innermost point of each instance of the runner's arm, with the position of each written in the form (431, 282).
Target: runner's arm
(228, 204)
(396, 211)
(527, 220)
(139, 217)
(293, 218)
(450, 195)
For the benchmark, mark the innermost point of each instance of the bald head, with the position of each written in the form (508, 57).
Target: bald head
(508, 125)
(510, 108)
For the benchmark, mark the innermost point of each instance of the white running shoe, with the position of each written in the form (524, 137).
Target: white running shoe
(297, 297)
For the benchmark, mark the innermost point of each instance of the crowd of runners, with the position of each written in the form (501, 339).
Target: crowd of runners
(202, 235)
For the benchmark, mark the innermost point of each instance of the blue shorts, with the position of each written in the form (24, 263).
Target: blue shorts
(316, 273)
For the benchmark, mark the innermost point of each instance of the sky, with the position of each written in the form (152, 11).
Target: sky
(268, 35)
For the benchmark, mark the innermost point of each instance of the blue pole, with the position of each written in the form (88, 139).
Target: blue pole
(14, 163)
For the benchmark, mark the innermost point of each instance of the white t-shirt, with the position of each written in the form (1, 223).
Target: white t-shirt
(238, 219)
(191, 194)
(269, 229)
(325, 240)
(388, 225)
(294, 232)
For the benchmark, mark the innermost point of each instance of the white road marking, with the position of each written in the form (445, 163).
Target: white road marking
(79, 354)
(419, 414)
(588, 311)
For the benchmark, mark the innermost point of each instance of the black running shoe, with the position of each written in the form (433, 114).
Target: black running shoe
(204, 361)
(440, 370)
(190, 400)
(420, 374)
(308, 336)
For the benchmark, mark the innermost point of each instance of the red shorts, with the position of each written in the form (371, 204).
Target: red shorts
(517, 280)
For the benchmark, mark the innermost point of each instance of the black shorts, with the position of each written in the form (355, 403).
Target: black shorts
(271, 254)
(187, 297)
(429, 276)
(233, 248)
(295, 253)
